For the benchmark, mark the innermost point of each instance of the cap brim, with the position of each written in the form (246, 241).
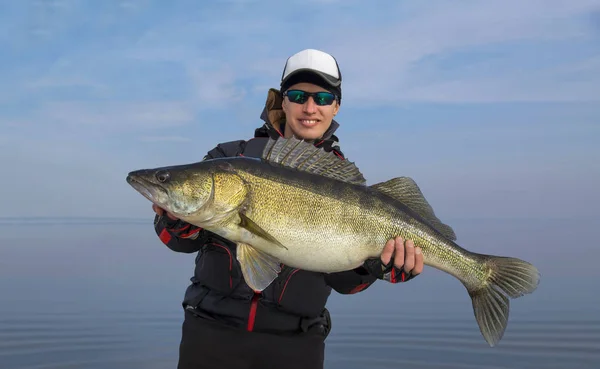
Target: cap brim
(329, 79)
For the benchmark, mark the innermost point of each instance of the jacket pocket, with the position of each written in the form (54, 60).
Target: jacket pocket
(215, 268)
(302, 292)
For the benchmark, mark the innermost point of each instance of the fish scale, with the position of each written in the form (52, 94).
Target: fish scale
(353, 221)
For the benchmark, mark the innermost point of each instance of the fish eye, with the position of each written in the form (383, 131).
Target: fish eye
(163, 176)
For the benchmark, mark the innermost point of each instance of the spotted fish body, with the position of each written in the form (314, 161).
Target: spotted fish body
(329, 227)
(306, 208)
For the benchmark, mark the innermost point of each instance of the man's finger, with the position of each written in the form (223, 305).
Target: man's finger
(157, 210)
(418, 261)
(409, 258)
(399, 255)
(388, 250)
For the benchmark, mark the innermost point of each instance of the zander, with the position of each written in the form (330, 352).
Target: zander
(268, 206)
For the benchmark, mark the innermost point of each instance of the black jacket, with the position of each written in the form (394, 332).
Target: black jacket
(296, 300)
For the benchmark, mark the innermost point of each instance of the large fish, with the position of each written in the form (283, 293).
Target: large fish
(304, 207)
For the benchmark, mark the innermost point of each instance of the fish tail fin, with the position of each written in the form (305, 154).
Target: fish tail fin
(508, 278)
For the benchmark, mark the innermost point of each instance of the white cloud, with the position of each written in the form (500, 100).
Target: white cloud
(562, 84)
(214, 88)
(376, 54)
(50, 82)
(378, 58)
(117, 116)
(154, 139)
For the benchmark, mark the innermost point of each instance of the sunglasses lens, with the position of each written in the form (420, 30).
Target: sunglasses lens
(324, 98)
(321, 98)
(297, 96)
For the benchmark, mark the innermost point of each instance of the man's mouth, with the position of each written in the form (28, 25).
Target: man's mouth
(308, 122)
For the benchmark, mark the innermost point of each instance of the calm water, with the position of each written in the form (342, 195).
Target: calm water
(107, 295)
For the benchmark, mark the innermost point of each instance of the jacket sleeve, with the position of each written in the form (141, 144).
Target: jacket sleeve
(181, 236)
(351, 281)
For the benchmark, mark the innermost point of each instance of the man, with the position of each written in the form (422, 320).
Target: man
(226, 324)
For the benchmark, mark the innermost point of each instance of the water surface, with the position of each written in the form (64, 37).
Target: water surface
(91, 294)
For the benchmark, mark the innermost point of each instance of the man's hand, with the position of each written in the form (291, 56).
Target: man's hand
(406, 264)
(161, 211)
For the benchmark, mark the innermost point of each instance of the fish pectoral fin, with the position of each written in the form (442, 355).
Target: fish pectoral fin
(258, 268)
(305, 156)
(255, 229)
(405, 190)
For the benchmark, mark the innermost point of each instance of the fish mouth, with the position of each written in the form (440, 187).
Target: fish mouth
(149, 190)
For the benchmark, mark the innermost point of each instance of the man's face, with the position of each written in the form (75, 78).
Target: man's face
(308, 121)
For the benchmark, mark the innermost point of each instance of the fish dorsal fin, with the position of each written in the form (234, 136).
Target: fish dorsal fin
(406, 191)
(304, 156)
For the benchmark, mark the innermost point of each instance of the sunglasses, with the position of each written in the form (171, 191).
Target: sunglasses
(300, 97)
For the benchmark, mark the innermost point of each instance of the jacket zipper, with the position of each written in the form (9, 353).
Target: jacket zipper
(252, 314)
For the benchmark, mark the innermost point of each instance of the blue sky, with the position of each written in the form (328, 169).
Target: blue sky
(492, 106)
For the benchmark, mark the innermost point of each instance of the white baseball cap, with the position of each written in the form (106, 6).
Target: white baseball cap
(313, 61)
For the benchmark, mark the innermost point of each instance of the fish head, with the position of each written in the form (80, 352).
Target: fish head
(181, 190)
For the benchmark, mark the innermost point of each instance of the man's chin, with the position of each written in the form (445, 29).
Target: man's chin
(310, 133)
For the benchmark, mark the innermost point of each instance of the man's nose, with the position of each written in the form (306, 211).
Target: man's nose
(310, 106)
